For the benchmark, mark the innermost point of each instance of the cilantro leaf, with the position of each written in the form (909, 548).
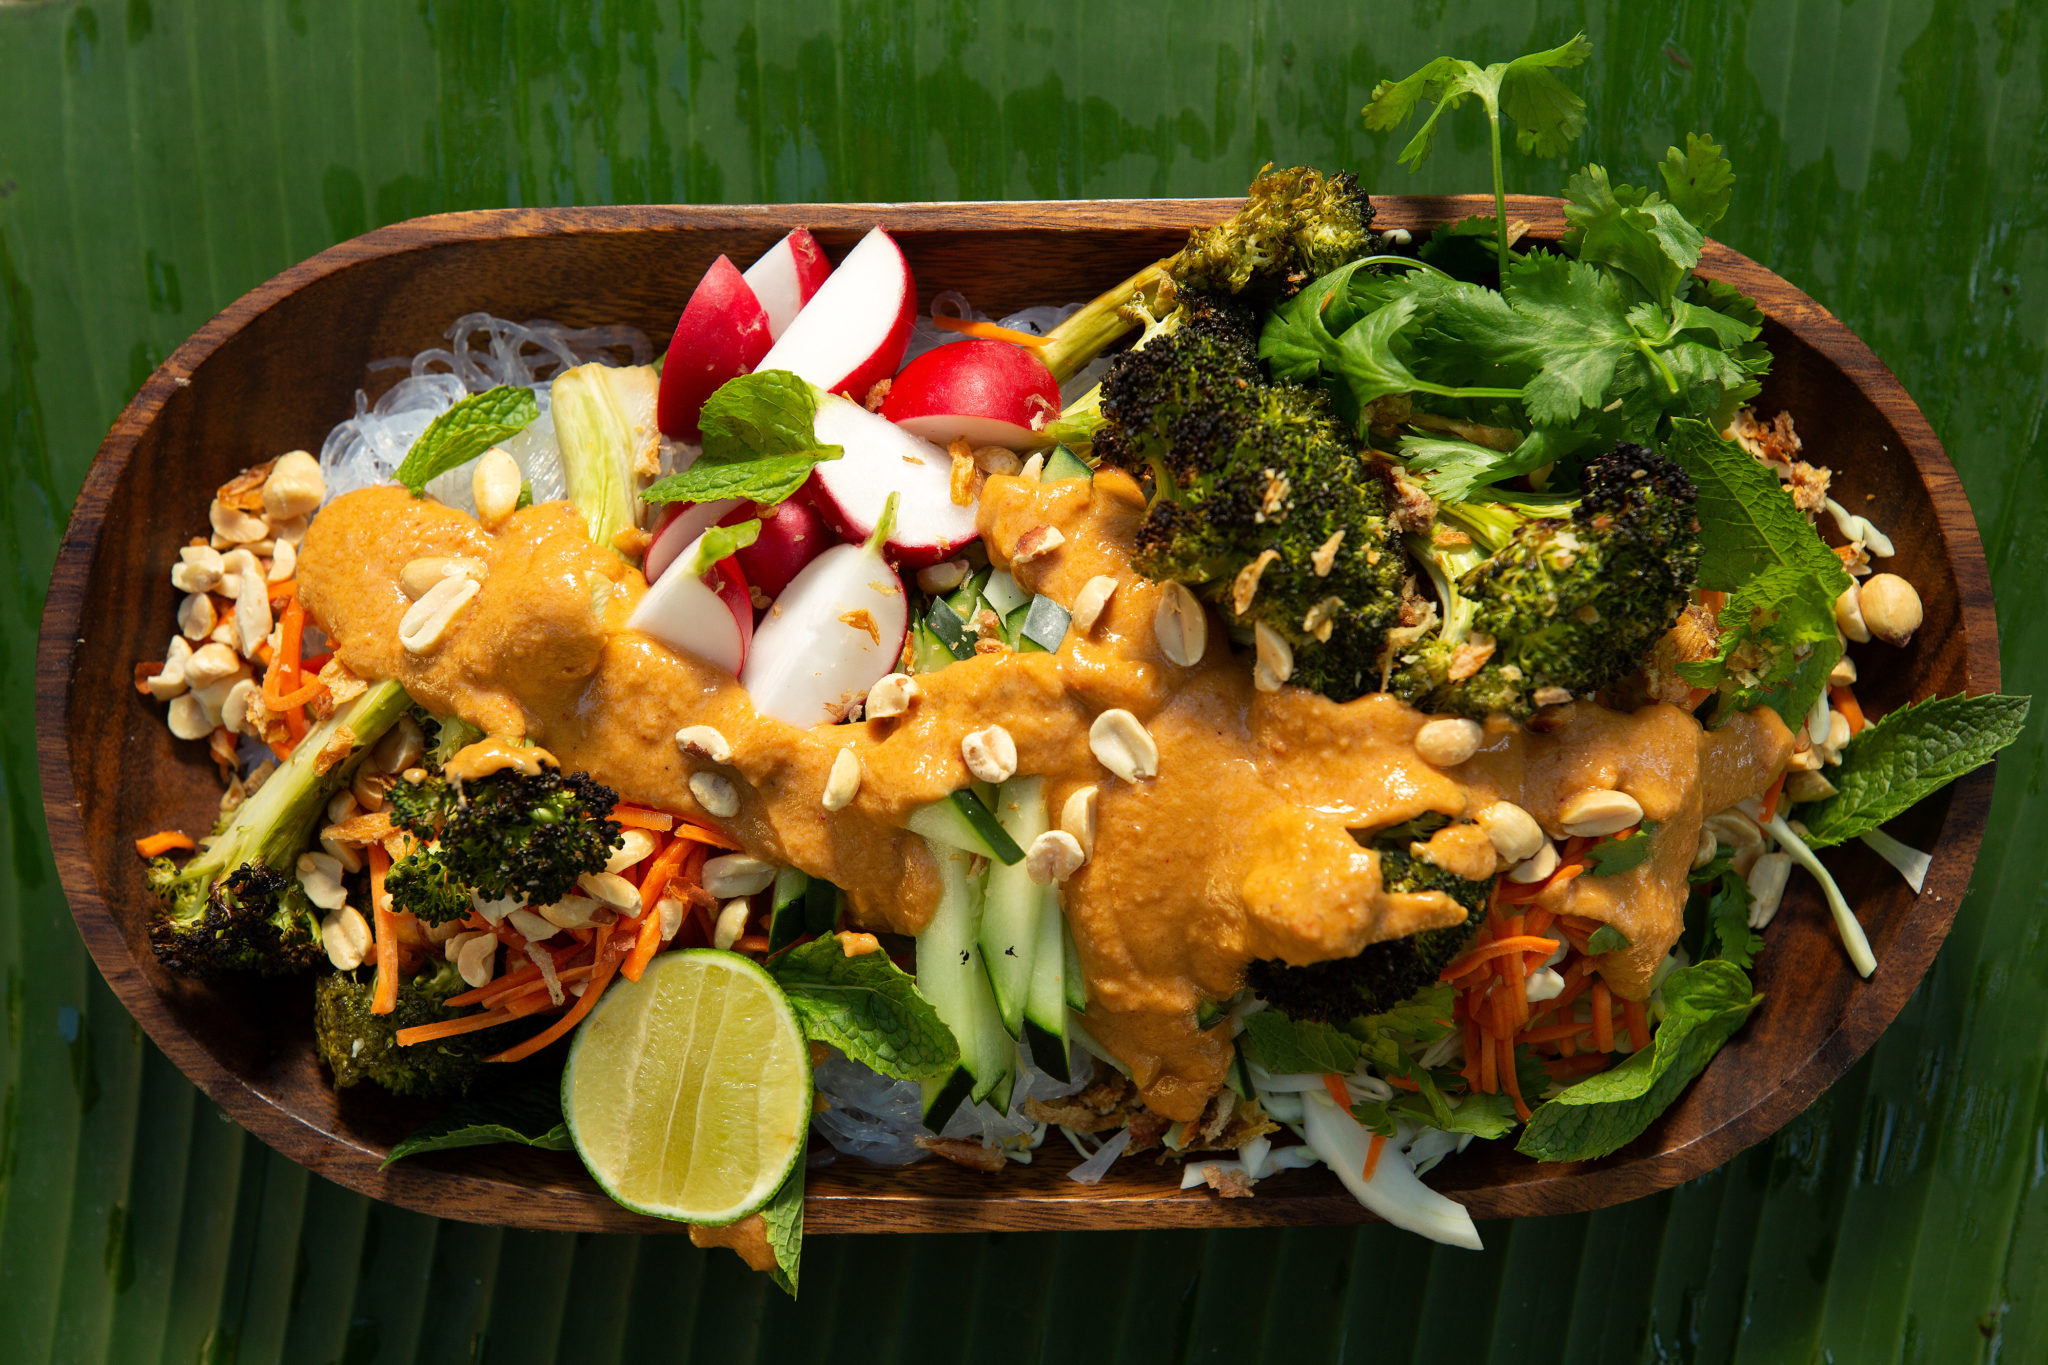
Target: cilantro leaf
(784, 1215)
(1452, 470)
(1607, 939)
(1483, 1116)
(1703, 1005)
(530, 1115)
(1293, 1046)
(1698, 181)
(1901, 758)
(868, 1008)
(1611, 856)
(465, 431)
(760, 443)
(1778, 638)
(1640, 235)
(1726, 905)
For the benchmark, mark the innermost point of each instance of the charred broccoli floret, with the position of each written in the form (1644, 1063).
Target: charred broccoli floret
(507, 834)
(236, 906)
(447, 736)
(1565, 605)
(1383, 974)
(423, 885)
(1295, 224)
(358, 1045)
(1248, 473)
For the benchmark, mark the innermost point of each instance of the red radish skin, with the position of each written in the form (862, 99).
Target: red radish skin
(681, 524)
(786, 276)
(709, 615)
(792, 535)
(992, 392)
(722, 334)
(854, 330)
(882, 458)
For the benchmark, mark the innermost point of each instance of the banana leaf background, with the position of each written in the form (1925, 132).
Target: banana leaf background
(158, 159)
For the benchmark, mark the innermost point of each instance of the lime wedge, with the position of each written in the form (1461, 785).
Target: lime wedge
(688, 1091)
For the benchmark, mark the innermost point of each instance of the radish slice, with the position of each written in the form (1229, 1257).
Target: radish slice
(680, 525)
(786, 276)
(991, 392)
(709, 614)
(854, 330)
(792, 535)
(835, 631)
(881, 460)
(722, 333)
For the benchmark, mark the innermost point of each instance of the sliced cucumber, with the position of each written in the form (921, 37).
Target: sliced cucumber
(822, 901)
(1045, 1005)
(1065, 464)
(1048, 1054)
(1077, 988)
(786, 915)
(949, 630)
(965, 600)
(1044, 625)
(941, 1098)
(951, 976)
(1002, 593)
(1014, 905)
(927, 653)
(962, 821)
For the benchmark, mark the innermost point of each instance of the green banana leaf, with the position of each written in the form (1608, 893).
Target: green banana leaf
(159, 158)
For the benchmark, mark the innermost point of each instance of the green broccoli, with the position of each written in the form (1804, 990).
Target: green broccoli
(447, 736)
(1383, 974)
(1261, 501)
(358, 1045)
(1562, 606)
(1295, 224)
(236, 906)
(508, 834)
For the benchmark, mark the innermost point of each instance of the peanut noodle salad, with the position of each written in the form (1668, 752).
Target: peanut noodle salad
(1332, 697)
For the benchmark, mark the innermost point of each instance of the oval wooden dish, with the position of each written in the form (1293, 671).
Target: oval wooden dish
(280, 367)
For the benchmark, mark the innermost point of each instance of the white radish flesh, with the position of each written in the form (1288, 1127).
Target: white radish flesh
(680, 527)
(882, 458)
(835, 631)
(707, 614)
(854, 330)
(786, 277)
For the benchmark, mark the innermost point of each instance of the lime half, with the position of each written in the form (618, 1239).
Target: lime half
(688, 1091)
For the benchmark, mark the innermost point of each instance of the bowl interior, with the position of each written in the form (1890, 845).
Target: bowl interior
(281, 367)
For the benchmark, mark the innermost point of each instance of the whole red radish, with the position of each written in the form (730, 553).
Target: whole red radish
(792, 535)
(854, 330)
(722, 333)
(786, 276)
(992, 392)
(700, 608)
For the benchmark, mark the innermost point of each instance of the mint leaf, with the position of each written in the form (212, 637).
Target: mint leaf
(784, 1215)
(1607, 939)
(466, 431)
(530, 1115)
(1778, 639)
(719, 543)
(760, 443)
(1703, 1006)
(1611, 856)
(1698, 180)
(1292, 1046)
(1901, 758)
(868, 1008)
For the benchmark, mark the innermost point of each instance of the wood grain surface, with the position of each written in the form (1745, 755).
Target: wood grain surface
(281, 366)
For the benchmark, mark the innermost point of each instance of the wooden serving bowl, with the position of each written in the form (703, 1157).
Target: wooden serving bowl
(281, 366)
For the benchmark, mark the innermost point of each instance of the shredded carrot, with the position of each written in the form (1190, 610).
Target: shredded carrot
(508, 984)
(1771, 795)
(1517, 893)
(1489, 1060)
(1372, 1154)
(1339, 1096)
(163, 841)
(1510, 1080)
(1578, 978)
(448, 1028)
(987, 331)
(385, 998)
(537, 987)
(1713, 600)
(751, 943)
(285, 591)
(639, 817)
(1843, 699)
(1603, 1017)
(1486, 951)
(313, 663)
(659, 871)
(1538, 1034)
(607, 964)
(645, 944)
(1402, 1083)
(704, 834)
(1638, 1023)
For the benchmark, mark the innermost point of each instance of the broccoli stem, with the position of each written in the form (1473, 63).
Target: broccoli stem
(1070, 346)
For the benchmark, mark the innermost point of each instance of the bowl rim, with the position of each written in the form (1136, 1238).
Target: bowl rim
(871, 1205)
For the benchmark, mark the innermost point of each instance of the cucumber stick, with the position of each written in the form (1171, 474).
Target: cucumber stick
(1015, 906)
(950, 975)
(963, 821)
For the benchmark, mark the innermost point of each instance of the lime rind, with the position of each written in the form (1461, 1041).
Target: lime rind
(611, 1131)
